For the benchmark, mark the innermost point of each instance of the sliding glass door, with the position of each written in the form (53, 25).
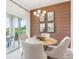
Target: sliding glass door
(15, 26)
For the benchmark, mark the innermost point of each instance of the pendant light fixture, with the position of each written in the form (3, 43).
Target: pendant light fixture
(39, 12)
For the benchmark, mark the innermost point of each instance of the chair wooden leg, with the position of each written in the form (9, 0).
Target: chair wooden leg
(51, 57)
(22, 54)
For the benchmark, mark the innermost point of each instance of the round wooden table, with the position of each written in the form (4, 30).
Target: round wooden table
(49, 41)
(45, 42)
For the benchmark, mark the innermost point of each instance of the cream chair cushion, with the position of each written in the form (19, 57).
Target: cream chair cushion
(33, 50)
(60, 49)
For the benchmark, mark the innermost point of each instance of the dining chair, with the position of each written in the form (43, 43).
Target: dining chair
(33, 50)
(68, 54)
(22, 37)
(59, 50)
(45, 35)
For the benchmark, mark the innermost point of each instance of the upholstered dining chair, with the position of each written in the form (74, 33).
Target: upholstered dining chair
(22, 37)
(45, 35)
(59, 50)
(33, 50)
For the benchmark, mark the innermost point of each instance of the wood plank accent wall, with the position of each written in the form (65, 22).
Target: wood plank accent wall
(62, 21)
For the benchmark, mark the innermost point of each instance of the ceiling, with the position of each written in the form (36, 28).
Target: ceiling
(34, 4)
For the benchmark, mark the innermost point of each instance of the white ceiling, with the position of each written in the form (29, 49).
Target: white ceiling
(33, 4)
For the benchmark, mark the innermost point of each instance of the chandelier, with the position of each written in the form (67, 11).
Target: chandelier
(39, 13)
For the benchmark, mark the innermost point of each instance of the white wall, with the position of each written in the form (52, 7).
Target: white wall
(15, 10)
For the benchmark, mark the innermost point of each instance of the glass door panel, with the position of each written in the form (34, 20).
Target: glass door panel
(15, 26)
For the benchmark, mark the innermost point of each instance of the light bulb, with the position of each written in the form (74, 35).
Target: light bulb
(34, 13)
(44, 12)
(37, 15)
(39, 11)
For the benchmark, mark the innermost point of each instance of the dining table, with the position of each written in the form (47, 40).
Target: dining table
(46, 42)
